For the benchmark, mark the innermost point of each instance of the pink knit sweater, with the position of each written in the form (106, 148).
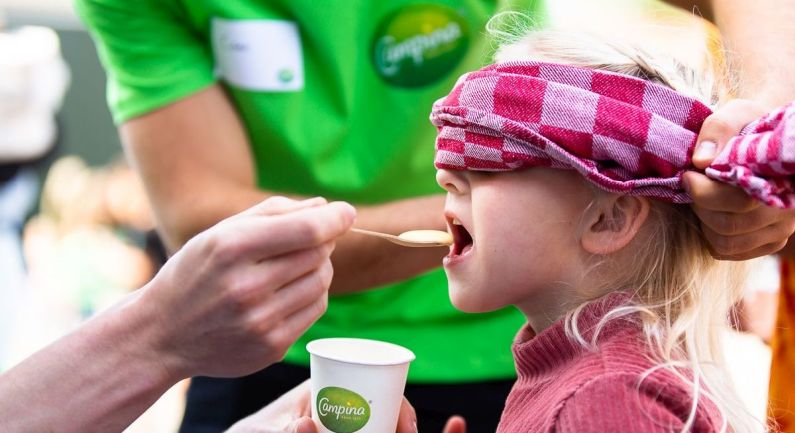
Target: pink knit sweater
(563, 387)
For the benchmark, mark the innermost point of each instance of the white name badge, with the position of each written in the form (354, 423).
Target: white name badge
(263, 55)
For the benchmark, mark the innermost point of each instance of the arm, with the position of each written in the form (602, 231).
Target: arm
(762, 37)
(195, 160)
(255, 283)
(97, 379)
(761, 40)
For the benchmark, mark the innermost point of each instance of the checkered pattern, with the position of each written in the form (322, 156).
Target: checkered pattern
(622, 133)
(761, 160)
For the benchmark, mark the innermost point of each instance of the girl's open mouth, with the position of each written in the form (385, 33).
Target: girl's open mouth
(462, 240)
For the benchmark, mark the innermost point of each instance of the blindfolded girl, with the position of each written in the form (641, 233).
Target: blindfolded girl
(563, 164)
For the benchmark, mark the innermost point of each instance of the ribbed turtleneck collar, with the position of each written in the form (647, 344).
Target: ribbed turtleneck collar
(548, 351)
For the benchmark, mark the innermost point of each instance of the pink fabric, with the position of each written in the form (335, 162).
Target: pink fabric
(622, 133)
(565, 388)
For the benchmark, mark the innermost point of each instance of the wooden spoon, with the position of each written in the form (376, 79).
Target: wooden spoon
(414, 238)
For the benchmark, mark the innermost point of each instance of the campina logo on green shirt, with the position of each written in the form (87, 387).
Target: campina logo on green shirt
(419, 44)
(342, 410)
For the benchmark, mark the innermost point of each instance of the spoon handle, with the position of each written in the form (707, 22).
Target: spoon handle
(376, 234)
(391, 238)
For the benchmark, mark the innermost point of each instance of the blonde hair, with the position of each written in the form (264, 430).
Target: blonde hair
(681, 293)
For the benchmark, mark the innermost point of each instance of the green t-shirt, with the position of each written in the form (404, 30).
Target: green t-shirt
(335, 97)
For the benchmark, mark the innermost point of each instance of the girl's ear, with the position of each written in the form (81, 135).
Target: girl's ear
(612, 222)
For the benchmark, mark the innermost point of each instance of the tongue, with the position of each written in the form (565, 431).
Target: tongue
(466, 249)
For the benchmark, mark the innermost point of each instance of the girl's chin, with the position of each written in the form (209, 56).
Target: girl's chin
(470, 304)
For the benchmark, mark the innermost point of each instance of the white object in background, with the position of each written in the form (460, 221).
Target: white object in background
(259, 55)
(748, 361)
(764, 275)
(357, 385)
(33, 81)
(16, 199)
(58, 14)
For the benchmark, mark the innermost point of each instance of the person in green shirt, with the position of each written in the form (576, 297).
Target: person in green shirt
(223, 103)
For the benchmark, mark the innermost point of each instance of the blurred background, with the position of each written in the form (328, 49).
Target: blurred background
(76, 234)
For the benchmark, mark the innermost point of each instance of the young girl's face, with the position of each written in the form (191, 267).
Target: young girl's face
(516, 240)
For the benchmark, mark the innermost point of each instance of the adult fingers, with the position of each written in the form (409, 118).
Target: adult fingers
(302, 425)
(303, 402)
(260, 238)
(764, 250)
(285, 415)
(717, 196)
(277, 205)
(741, 246)
(407, 418)
(455, 424)
(306, 290)
(283, 334)
(255, 282)
(721, 126)
(732, 223)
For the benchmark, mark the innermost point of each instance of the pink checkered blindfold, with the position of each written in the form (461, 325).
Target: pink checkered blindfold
(622, 133)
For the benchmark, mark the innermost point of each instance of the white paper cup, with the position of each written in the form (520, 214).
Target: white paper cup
(357, 385)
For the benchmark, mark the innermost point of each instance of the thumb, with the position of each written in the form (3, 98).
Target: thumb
(719, 128)
(705, 153)
(302, 425)
(455, 424)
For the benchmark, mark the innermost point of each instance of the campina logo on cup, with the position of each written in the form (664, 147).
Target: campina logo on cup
(419, 44)
(342, 410)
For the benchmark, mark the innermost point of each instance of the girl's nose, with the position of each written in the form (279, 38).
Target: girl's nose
(453, 181)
